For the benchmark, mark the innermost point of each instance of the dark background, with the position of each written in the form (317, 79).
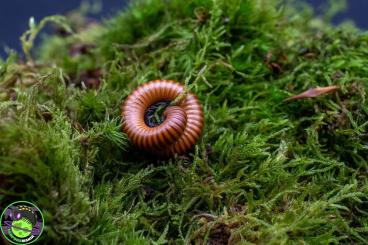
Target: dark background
(356, 11)
(14, 15)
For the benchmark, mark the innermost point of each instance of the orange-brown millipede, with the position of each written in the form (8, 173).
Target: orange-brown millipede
(178, 129)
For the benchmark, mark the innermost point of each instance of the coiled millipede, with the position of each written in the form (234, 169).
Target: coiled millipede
(175, 132)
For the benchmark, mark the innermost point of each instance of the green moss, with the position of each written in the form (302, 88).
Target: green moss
(264, 171)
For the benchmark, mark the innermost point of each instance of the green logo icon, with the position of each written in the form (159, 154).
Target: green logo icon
(21, 222)
(21, 228)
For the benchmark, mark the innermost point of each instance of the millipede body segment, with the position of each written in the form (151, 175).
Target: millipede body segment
(177, 130)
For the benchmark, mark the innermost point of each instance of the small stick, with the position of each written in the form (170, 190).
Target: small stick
(313, 92)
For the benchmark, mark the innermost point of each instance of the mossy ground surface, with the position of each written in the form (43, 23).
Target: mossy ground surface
(264, 171)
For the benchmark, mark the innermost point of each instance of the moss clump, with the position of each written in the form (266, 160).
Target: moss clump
(264, 171)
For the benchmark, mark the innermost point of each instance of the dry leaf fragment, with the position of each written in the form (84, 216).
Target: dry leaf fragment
(313, 92)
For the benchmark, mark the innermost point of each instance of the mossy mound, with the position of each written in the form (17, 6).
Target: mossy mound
(264, 172)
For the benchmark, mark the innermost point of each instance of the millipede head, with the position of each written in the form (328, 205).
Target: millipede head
(154, 115)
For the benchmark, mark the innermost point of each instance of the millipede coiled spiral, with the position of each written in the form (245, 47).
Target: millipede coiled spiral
(179, 127)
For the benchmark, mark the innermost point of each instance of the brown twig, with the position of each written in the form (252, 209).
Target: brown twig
(313, 92)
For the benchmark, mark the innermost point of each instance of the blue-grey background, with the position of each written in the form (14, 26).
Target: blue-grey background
(14, 15)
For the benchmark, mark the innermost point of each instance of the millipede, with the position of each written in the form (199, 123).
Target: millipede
(175, 131)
